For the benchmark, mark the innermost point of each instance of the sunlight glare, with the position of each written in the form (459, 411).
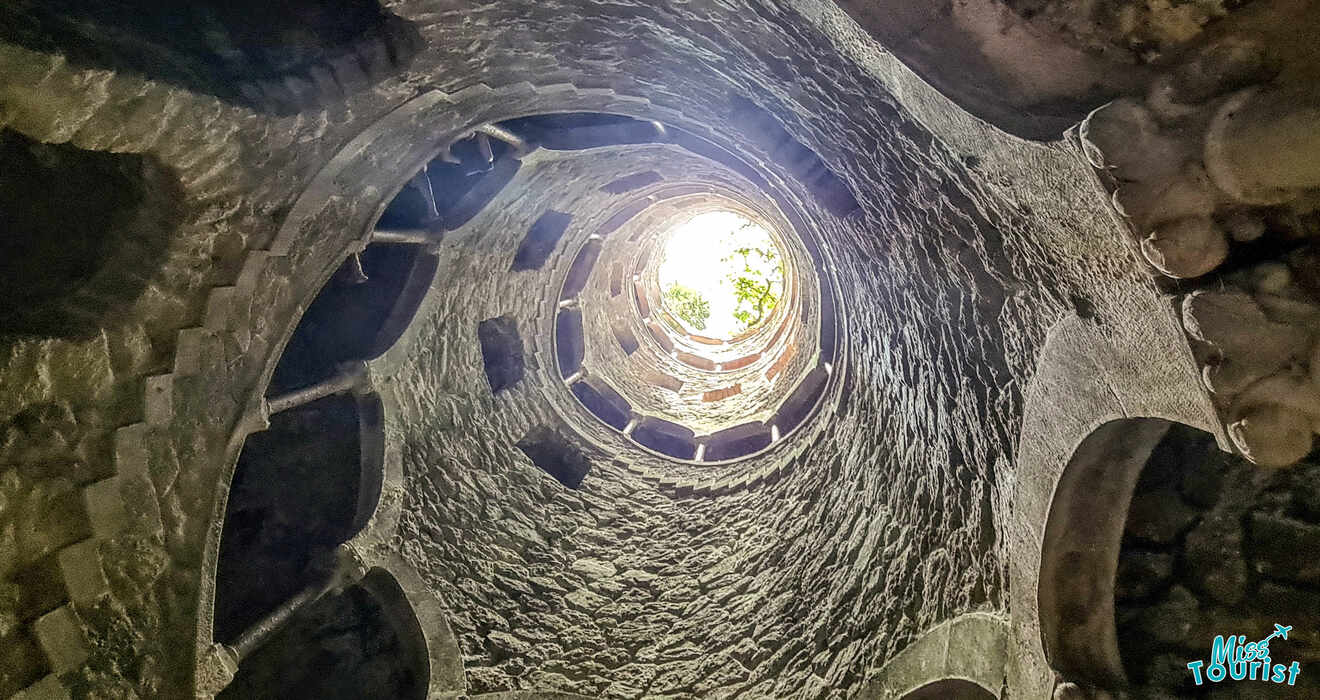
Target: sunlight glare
(701, 254)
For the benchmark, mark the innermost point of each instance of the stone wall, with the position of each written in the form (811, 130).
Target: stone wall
(816, 574)
(887, 522)
(1214, 546)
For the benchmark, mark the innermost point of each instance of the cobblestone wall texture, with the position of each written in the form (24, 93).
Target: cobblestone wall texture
(885, 525)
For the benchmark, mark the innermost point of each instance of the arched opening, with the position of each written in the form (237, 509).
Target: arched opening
(313, 480)
(1079, 556)
(361, 642)
(1158, 542)
(950, 689)
(1214, 545)
(358, 315)
(296, 495)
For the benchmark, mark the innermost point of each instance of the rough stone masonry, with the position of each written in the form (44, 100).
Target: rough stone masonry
(333, 363)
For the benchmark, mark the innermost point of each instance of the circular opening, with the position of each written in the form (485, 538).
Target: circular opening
(721, 275)
(706, 333)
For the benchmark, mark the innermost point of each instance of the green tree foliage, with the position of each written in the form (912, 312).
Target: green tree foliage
(757, 278)
(688, 305)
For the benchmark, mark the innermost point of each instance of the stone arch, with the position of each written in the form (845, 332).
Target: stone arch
(1079, 557)
(287, 513)
(950, 689)
(325, 361)
(1094, 397)
(301, 489)
(1214, 545)
(964, 659)
(1125, 507)
(358, 315)
(361, 641)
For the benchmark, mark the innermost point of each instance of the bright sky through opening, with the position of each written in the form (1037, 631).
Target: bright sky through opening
(700, 255)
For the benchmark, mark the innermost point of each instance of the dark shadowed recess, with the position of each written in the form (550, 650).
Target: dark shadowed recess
(624, 335)
(83, 231)
(21, 662)
(356, 317)
(1212, 545)
(737, 441)
(950, 689)
(828, 323)
(550, 451)
(660, 337)
(806, 166)
(446, 194)
(799, 404)
(616, 279)
(501, 352)
(480, 192)
(279, 57)
(296, 495)
(666, 438)
(628, 183)
(347, 645)
(581, 130)
(603, 401)
(541, 240)
(570, 343)
(580, 271)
